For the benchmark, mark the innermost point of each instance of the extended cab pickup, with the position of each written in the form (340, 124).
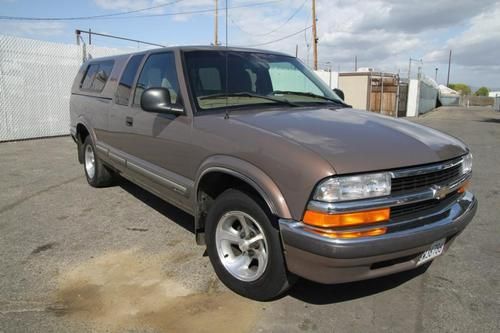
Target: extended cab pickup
(283, 178)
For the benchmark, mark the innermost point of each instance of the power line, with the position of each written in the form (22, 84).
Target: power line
(26, 18)
(277, 28)
(104, 17)
(200, 11)
(282, 38)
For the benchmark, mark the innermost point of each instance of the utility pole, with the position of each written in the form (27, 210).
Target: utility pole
(355, 63)
(449, 65)
(409, 71)
(315, 36)
(216, 23)
(436, 75)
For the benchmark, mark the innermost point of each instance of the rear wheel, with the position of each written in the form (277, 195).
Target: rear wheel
(244, 246)
(98, 175)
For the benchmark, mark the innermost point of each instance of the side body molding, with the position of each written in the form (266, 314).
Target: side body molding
(249, 173)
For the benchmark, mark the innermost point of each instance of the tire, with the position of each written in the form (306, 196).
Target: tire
(256, 269)
(97, 174)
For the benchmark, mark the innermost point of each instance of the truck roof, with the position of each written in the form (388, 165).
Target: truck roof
(188, 48)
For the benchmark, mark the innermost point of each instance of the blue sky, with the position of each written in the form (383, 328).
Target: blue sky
(383, 34)
(155, 29)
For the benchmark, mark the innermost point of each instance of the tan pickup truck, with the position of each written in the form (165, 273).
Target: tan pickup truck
(282, 177)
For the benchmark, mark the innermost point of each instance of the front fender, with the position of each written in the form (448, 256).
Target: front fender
(249, 173)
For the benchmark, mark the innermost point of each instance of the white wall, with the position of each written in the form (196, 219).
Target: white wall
(355, 88)
(422, 96)
(330, 78)
(412, 104)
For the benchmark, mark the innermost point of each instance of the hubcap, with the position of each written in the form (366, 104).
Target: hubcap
(90, 161)
(241, 246)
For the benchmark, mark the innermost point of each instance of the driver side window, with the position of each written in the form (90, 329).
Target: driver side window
(158, 72)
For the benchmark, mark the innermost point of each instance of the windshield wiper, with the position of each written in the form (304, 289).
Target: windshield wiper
(309, 94)
(249, 94)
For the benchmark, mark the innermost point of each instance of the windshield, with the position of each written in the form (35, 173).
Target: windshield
(252, 78)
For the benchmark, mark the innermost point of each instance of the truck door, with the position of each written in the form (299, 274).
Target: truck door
(157, 144)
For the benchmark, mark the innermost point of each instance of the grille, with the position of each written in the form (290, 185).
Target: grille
(419, 207)
(411, 183)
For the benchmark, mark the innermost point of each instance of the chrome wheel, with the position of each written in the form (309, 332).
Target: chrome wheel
(90, 161)
(241, 246)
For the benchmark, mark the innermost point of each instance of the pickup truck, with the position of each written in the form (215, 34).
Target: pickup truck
(283, 178)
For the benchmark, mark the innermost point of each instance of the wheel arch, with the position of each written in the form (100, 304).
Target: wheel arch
(230, 172)
(82, 131)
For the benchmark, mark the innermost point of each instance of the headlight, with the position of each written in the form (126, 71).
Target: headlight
(467, 164)
(353, 187)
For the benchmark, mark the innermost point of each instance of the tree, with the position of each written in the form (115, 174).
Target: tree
(483, 91)
(462, 88)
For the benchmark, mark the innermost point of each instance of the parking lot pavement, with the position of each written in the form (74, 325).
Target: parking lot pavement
(76, 259)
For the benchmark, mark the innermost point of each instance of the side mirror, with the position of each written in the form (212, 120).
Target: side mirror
(158, 100)
(339, 93)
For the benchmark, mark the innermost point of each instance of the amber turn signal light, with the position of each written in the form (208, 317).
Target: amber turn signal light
(349, 234)
(464, 187)
(324, 220)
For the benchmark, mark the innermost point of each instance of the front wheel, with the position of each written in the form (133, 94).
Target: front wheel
(243, 244)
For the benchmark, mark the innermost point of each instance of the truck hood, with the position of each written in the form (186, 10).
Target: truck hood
(357, 141)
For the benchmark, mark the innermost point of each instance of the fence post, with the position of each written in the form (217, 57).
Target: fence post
(382, 92)
(397, 97)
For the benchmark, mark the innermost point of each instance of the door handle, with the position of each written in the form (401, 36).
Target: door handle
(129, 121)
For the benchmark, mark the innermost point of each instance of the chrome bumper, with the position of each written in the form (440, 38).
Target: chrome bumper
(330, 260)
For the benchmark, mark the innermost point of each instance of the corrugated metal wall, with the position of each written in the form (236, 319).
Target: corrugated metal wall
(427, 97)
(35, 86)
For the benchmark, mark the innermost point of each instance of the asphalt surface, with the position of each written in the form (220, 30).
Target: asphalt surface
(77, 259)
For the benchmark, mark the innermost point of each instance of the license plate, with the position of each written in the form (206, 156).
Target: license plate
(435, 250)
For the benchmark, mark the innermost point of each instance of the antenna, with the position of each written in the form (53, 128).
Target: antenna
(227, 18)
(226, 116)
(216, 23)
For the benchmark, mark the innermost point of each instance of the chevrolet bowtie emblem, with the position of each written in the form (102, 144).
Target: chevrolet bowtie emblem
(440, 192)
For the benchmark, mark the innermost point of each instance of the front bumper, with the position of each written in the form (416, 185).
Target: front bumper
(330, 260)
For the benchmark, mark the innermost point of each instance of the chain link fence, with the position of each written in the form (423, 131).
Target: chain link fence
(35, 85)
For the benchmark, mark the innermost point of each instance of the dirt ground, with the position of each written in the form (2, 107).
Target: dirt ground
(79, 259)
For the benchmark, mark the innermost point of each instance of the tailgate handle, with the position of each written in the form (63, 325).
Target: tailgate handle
(129, 121)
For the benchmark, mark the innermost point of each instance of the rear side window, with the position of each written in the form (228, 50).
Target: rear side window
(97, 75)
(158, 72)
(127, 80)
(89, 76)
